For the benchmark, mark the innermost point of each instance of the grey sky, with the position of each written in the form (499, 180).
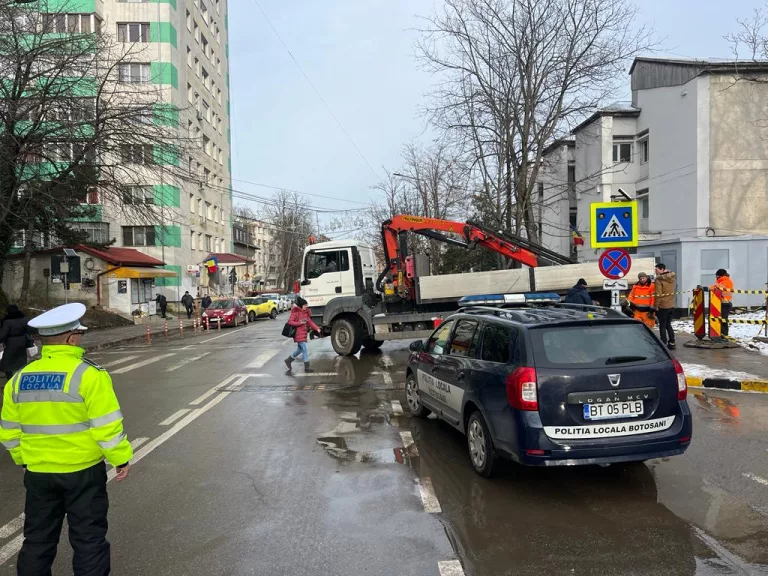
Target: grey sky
(359, 55)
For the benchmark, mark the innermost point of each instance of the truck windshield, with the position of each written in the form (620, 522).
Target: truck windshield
(319, 263)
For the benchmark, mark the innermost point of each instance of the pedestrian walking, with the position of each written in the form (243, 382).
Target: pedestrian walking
(725, 284)
(578, 294)
(16, 340)
(162, 304)
(189, 303)
(206, 302)
(641, 299)
(664, 294)
(301, 320)
(61, 420)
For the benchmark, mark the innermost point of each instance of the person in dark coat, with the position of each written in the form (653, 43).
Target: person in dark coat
(578, 294)
(162, 304)
(301, 319)
(14, 335)
(189, 303)
(206, 303)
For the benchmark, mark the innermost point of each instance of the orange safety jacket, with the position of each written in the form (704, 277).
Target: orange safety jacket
(725, 284)
(643, 296)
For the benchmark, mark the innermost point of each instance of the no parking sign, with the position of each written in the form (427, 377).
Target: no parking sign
(615, 263)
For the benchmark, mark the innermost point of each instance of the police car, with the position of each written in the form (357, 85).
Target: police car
(548, 384)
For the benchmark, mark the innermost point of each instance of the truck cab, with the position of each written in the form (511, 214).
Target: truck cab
(336, 269)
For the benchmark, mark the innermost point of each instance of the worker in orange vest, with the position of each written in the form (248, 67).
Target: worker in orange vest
(641, 300)
(725, 284)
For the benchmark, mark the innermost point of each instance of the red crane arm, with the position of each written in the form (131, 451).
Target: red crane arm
(391, 229)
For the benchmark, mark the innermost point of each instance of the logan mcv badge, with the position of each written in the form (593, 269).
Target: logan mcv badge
(614, 379)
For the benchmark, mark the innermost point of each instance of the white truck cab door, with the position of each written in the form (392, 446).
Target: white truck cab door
(327, 275)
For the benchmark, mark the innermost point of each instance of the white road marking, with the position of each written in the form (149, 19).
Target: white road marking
(229, 333)
(725, 554)
(428, 496)
(397, 408)
(187, 361)
(136, 442)
(12, 527)
(175, 416)
(11, 549)
(756, 478)
(387, 378)
(203, 397)
(263, 358)
(407, 439)
(170, 433)
(121, 361)
(386, 360)
(143, 363)
(450, 568)
(315, 374)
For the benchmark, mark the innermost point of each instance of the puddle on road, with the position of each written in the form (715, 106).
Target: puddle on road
(337, 448)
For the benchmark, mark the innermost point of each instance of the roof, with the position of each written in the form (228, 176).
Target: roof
(555, 144)
(338, 244)
(227, 258)
(549, 314)
(616, 109)
(708, 65)
(110, 255)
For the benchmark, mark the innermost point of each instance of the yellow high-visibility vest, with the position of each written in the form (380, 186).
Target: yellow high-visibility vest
(60, 414)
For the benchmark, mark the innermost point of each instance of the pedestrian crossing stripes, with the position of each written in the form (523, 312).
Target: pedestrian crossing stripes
(141, 364)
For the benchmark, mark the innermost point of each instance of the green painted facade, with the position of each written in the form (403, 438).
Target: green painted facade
(164, 73)
(171, 2)
(168, 236)
(167, 195)
(167, 155)
(166, 115)
(163, 32)
(68, 6)
(176, 281)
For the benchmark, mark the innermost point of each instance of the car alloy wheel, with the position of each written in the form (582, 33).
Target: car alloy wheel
(476, 437)
(412, 395)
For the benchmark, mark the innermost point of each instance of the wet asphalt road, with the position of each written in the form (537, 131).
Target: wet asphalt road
(246, 470)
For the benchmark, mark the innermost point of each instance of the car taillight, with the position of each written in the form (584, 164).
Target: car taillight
(682, 385)
(521, 389)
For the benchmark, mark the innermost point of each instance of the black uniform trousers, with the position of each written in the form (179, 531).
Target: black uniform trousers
(725, 312)
(664, 316)
(82, 497)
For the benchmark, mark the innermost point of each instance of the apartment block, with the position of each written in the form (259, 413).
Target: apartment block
(691, 148)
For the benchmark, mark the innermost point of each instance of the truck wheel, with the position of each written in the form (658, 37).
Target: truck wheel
(371, 344)
(346, 337)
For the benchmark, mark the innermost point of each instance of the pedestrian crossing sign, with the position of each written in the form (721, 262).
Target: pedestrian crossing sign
(614, 225)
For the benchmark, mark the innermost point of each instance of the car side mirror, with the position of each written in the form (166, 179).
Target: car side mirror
(305, 282)
(417, 346)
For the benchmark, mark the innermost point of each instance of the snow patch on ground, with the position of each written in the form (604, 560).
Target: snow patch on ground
(701, 371)
(741, 333)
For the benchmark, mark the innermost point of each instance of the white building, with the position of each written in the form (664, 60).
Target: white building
(692, 148)
(184, 54)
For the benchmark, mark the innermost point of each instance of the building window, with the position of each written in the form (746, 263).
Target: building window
(204, 45)
(192, 240)
(138, 195)
(197, 33)
(206, 111)
(190, 21)
(208, 211)
(192, 203)
(138, 235)
(133, 31)
(200, 241)
(133, 72)
(189, 61)
(209, 243)
(206, 79)
(96, 232)
(644, 151)
(197, 67)
(622, 152)
(137, 154)
(71, 23)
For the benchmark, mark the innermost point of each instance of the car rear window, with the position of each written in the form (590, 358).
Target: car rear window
(596, 345)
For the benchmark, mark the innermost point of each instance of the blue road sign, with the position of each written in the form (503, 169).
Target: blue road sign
(614, 225)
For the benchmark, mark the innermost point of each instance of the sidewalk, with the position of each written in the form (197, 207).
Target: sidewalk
(110, 337)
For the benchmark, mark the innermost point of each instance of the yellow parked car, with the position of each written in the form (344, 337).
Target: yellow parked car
(259, 307)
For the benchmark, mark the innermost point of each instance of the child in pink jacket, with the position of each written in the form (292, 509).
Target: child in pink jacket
(301, 319)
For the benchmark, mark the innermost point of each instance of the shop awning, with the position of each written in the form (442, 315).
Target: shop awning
(135, 272)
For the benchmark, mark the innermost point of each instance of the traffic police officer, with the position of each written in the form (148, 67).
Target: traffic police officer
(60, 420)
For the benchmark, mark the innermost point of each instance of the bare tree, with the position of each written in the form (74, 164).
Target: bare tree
(290, 216)
(750, 41)
(515, 75)
(82, 121)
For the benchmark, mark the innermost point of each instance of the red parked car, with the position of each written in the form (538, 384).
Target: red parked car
(231, 312)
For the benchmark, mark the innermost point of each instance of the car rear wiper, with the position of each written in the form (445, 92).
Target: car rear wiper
(623, 359)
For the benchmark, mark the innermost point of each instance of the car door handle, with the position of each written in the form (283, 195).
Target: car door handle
(461, 375)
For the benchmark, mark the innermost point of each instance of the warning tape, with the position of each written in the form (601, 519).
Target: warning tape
(739, 291)
(737, 321)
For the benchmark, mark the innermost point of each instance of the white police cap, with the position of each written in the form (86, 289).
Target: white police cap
(60, 320)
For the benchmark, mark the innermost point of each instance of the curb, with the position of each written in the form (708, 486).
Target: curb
(727, 384)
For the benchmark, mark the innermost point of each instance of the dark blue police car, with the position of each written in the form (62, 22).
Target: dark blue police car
(548, 384)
